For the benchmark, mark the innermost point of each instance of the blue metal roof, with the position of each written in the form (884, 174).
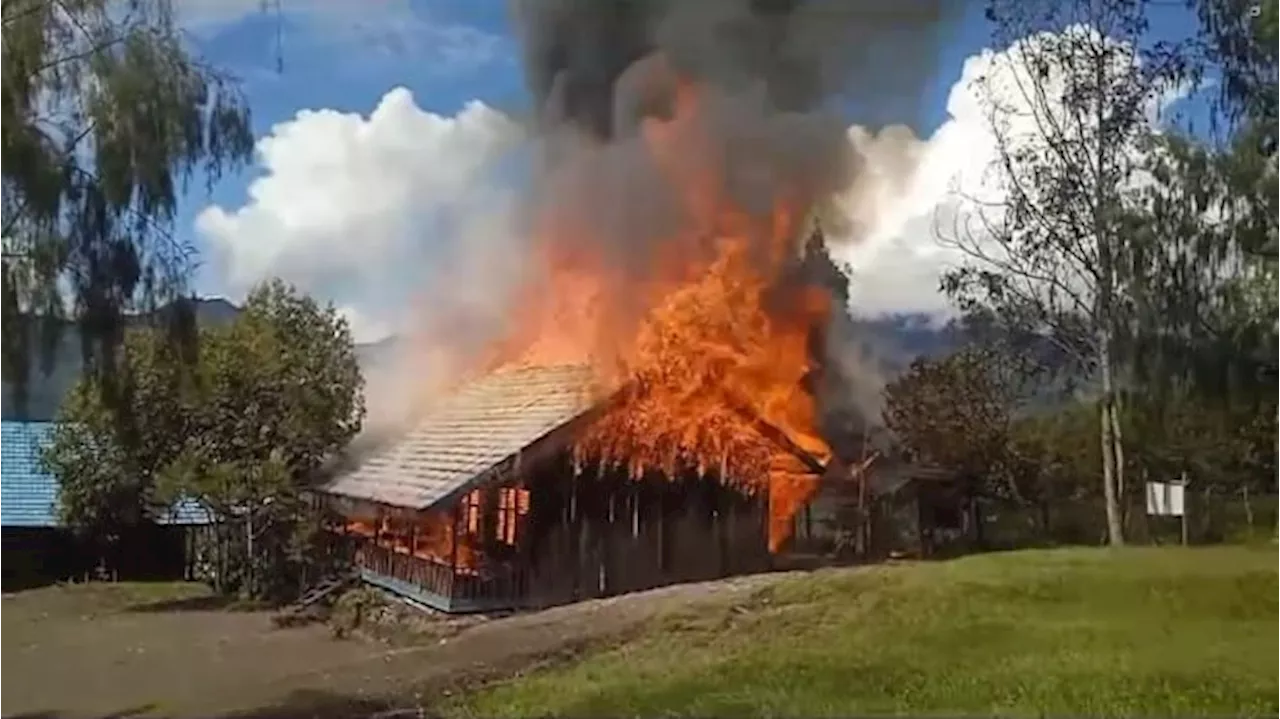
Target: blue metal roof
(29, 495)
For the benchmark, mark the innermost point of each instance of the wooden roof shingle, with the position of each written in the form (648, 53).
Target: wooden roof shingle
(468, 433)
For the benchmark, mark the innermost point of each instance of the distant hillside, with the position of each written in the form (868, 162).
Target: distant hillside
(382, 352)
(894, 340)
(46, 391)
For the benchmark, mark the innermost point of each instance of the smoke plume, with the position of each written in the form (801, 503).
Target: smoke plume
(777, 82)
(601, 65)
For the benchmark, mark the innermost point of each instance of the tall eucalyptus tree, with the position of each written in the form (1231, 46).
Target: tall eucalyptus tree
(1069, 104)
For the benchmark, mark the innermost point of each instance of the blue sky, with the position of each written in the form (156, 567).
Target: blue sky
(345, 56)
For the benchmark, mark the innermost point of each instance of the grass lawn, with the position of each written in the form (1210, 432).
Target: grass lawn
(1135, 632)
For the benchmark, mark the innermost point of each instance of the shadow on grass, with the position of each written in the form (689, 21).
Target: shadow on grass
(324, 705)
(126, 714)
(299, 705)
(204, 603)
(23, 582)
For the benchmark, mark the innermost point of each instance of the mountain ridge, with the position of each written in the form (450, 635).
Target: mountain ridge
(894, 340)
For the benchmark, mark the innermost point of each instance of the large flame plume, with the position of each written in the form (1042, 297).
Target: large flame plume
(686, 157)
(688, 147)
(709, 330)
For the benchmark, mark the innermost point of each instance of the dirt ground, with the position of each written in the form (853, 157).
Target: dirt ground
(133, 650)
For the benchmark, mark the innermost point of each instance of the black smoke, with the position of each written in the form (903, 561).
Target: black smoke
(599, 65)
(779, 81)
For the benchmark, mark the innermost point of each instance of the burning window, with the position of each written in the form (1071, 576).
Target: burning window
(513, 503)
(471, 509)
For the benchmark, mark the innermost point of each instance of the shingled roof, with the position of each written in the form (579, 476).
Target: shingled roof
(467, 434)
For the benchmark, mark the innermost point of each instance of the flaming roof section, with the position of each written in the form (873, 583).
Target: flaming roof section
(469, 433)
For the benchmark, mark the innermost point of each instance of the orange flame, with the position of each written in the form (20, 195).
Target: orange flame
(706, 331)
(435, 536)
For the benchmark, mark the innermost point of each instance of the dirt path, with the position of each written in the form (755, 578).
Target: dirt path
(65, 661)
(505, 646)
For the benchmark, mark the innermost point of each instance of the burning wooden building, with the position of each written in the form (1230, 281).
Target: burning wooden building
(646, 408)
(487, 504)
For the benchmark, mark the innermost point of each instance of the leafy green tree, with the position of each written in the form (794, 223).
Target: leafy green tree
(1241, 39)
(105, 118)
(949, 412)
(1217, 445)
(1053, 458)
(278, 391)
(269, 397)
(106, 467)
(283, 378)
(956, 412)
(99, 493)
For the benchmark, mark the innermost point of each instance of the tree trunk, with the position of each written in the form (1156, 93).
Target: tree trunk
(249, 573)
(1248, 510)
(1115, 529)
(1186, 500)
(977, 520)
(219, 559)
(1118, 438)
(1105, 322)
(1275, 468)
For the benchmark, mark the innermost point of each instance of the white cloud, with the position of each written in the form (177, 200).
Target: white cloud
(915, 189)
(206, 15)
(364, 211)
(365, 329)
(335, 17)
(907, 189)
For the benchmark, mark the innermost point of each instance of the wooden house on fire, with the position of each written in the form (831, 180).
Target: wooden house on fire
(481, 506)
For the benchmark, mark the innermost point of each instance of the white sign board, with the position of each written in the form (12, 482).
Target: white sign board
(1165, 499)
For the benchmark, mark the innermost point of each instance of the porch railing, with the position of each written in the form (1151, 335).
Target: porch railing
(430, 575)
(486, 587)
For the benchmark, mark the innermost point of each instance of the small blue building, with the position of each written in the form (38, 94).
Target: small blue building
(37, 548)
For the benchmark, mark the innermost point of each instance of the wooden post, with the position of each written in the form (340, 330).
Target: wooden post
(605, 544)
(661, 488)
(765, 521)
(1186, 504)
(573, 540)
(731, 530)
(1248, 510)
(635, 508)
(860, 544)
(1275, 468)
(921, 531)
(722, 535)
(454, 538)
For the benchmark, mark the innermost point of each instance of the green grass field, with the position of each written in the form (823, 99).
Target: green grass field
(1136, 632)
